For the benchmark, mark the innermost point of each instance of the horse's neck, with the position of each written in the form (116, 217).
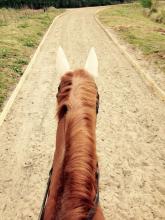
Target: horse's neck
(79, 168)
(66, 208)
(57, 170)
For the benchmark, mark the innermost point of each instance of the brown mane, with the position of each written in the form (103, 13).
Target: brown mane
(77, 97)
(76, 192)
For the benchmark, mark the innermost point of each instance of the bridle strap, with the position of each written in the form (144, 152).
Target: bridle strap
(41, 215)
(97, 104)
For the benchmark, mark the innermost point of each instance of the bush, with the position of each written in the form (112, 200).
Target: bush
(163, 15)
(154, 6)
(146, 3)
(158, 17)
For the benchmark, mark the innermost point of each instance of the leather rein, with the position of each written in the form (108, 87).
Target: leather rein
(92, 211)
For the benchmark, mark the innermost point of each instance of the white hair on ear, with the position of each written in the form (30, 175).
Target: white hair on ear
(62, 64)
(92, 63)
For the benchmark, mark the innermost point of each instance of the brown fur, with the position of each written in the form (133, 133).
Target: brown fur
(73, 183)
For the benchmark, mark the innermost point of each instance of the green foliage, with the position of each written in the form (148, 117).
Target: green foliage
(28, 42)
(146, 3)
(158, 17)
(23, 25)
(4, 53)
(156, 12)
(22, 61)
(56, 3)
(2, 23)
(17, 68)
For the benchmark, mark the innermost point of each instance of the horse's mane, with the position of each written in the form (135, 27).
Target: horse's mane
(77, 99)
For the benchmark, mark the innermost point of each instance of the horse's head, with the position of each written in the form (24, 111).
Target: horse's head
(74, 191)
(78, 102)
(77, 85)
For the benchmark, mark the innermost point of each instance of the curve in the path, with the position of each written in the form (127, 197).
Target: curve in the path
(130, 129)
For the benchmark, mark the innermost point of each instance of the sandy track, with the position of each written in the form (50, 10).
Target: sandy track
(130, 130)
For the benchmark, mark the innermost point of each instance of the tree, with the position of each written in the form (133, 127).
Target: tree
(56, 3)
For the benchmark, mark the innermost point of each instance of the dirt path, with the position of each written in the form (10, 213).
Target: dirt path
(130, 130)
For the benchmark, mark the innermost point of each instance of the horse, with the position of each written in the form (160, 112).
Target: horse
(73, 189)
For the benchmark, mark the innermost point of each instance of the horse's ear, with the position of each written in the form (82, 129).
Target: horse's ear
(92, 63)
(62, 65)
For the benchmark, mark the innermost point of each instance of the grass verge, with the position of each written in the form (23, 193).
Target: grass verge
(138, 30)
(21, 32)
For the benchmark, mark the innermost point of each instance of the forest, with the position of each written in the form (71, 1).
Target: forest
(56, 3)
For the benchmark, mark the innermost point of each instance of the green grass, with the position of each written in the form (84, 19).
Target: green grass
(29, 41)
(23, 25)
(138, 30)
(21, 32)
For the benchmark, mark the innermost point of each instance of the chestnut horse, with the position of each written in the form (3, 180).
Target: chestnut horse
(73, 192)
